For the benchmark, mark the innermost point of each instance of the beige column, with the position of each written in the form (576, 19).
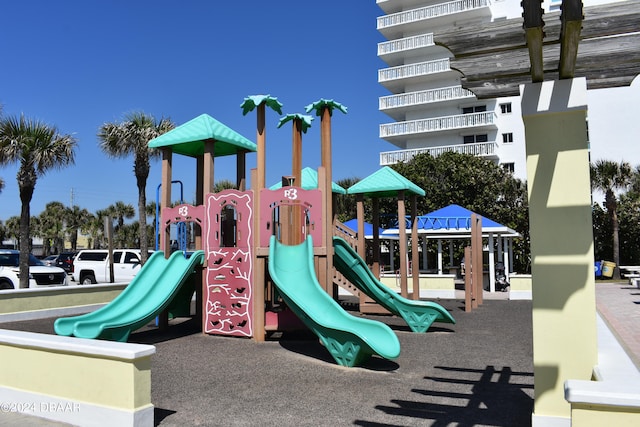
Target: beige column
(564, 316)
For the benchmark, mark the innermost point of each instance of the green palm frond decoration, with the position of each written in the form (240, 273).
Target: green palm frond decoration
(251, 102)
(319, 105)
(305, 121)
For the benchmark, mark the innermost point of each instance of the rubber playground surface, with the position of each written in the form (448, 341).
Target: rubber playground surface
(477, 372)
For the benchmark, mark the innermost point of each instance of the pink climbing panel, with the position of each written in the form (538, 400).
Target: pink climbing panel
(227, 291)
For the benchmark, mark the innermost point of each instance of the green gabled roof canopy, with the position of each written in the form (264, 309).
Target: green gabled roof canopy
(188, 139)
(386, 182)
(310, 182)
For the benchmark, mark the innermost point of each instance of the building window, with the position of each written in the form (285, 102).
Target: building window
(475, 109)
(507, 138)
(505, 108)
(472, 139)
(509, 167)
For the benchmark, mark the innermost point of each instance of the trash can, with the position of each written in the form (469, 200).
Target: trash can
(607, 268)
(598, 268)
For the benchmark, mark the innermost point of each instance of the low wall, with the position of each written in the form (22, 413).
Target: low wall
(520, 287)
(613, 398)
(76, 381)
(431, 285)
(29, 304)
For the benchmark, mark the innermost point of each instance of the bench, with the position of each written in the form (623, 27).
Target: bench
(631, 272)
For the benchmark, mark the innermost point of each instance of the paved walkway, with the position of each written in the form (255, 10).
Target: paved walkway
(619, 306)
(477, 372)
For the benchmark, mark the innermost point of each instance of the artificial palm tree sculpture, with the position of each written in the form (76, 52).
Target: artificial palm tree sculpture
(249, 104)
(608, 176)
(131, 137)
(37, 148)
(301, 123)
(324, 109)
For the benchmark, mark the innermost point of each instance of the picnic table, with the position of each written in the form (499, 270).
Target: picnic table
(631, 272)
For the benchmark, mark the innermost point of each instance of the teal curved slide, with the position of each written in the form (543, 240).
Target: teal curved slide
(350, 340)
(149, 293)
(419, 315)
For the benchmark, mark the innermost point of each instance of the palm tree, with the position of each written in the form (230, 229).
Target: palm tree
(608, 176)
(94, 227)
(75, 218)
(120, 210)
(38, 148)
(12, 228)
(51, 227)
(131, 137)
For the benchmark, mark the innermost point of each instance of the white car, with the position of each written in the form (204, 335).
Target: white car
(40, 275)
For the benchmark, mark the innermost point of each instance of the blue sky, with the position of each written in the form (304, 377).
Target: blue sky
(78, 64)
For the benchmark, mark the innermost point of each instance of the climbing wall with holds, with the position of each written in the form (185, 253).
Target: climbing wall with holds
(227, 293)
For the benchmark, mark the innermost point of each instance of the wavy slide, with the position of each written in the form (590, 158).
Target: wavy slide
(149, 293)
(350, 340)
(419, 315)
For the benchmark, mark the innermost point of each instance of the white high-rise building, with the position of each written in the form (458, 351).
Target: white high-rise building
(428, 109)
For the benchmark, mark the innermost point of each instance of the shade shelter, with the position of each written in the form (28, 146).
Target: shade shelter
(386, 182)
(454, 222)
(368, 228)
(310, 182)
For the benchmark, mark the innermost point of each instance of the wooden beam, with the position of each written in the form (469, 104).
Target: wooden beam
(495, 60)
(571, 26)
(605, 62)
(534, 34)
(599, 21)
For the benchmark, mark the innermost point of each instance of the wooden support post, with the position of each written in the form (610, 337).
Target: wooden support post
(478, 260)
(360, 216)
(165, 197)
(165, 202)
(468, 288)
(325, 272)
(261, 150)
(415, 263)
(241, 165)
(259, 279)
(375, 243)
(296, 171)
(402, 227)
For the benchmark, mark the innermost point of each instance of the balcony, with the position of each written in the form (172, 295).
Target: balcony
(396, 106)
(394, 78)
(396, 24)
(394, 52)
(480, 149)
(391, 131)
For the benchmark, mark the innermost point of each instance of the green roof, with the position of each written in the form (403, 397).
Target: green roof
(310, 182)
(386, 182)
(188, 139)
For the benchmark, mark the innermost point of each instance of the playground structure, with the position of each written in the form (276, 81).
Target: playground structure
(256, 249)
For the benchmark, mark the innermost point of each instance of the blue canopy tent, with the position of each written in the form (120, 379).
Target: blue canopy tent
(454, 222)
(368, 228)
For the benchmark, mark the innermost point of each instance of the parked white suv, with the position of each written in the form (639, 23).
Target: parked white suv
(92, 265)
(40, 275)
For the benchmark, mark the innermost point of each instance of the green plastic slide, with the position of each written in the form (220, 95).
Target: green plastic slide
(149, 293)
(419, 315)
(350, 340)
